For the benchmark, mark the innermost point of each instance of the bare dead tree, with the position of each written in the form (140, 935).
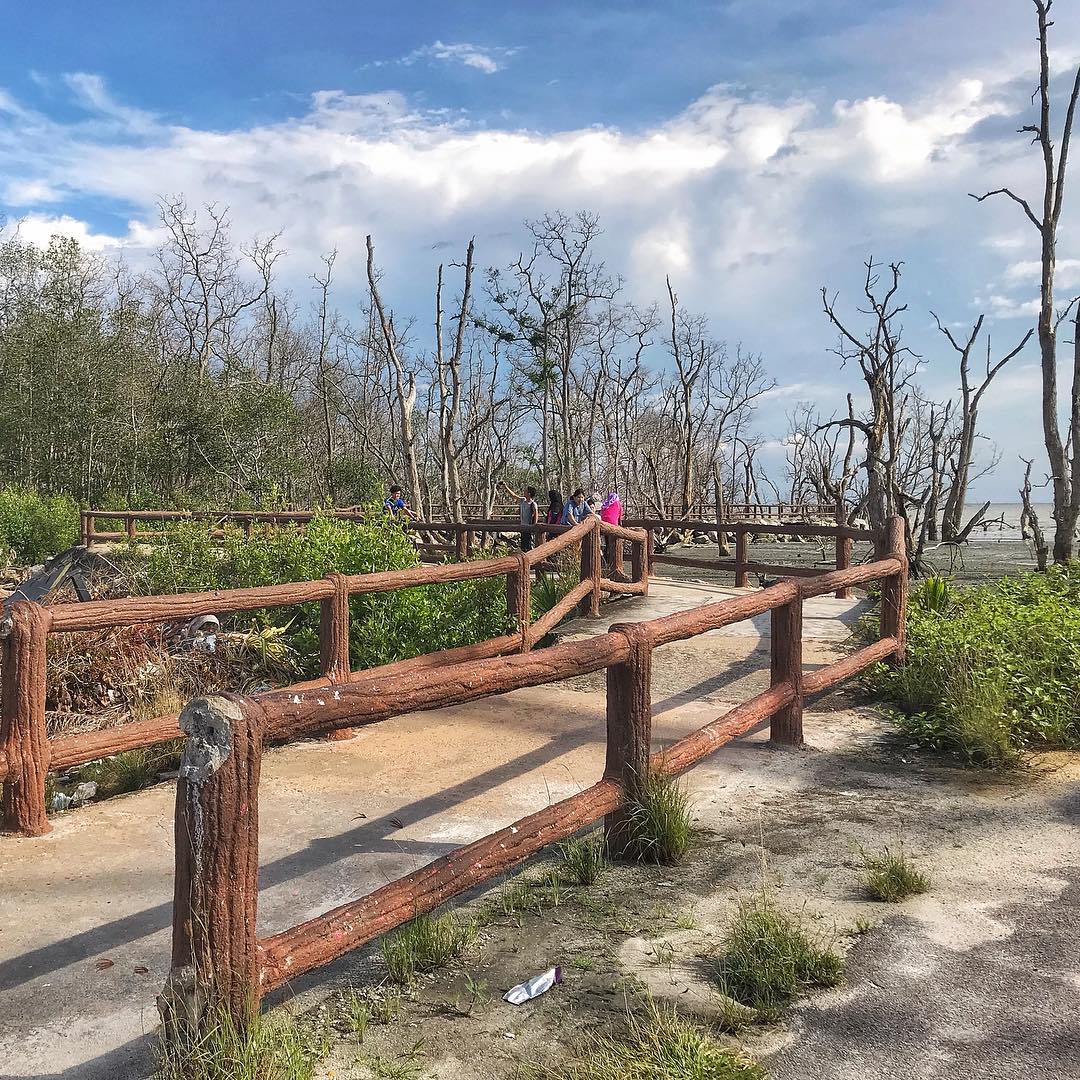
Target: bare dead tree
(404, 383)
(1063, 452)
(1029, 519)
(953, 530)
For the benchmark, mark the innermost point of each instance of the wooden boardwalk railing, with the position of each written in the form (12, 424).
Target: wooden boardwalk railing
(27, 754)
(217, 954)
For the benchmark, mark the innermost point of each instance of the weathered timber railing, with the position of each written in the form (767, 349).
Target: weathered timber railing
(27, 754)
(217, 955)
(742, 531)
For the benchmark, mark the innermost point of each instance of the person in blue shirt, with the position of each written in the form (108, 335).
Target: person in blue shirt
(395, 505)
(576, 509)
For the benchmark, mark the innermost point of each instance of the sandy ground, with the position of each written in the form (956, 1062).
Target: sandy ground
(338, 819)
(970, 563)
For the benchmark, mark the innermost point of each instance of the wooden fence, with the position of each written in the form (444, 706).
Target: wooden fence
(27, 754)
(217, 954)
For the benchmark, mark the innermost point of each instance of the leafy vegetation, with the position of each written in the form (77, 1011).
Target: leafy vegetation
(426, 943)
(34, 527)
(891, 876)
(991, 670)
(658, 1044)
(767, 959)
(384, 627)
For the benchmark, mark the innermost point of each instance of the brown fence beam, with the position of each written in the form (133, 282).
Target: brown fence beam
(216, 887)
(629, 732)
(786, 670)
(894, 590)
(22, 719)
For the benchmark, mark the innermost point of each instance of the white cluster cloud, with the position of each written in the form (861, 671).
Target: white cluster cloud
(750, 204)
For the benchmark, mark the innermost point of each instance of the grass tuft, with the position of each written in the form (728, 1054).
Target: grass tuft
(768, 959)
(659, 821)
(582, 859)
(658, 1043)
(891, 877)
(271, 1048)
(426, 943)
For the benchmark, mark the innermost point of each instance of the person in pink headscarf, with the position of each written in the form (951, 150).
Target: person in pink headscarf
(611, 512)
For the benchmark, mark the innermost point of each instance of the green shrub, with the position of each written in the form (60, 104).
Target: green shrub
(768, 959)
(384, 627)
(582, 859)
(35, 527)
(991, 670)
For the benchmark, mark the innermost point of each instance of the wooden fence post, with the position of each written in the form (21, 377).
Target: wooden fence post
(894, 590)
(518, 598)
(786, 667)
(22, 719)
(648, 556)
(461, 545)
(629, 731)
(216, 887)
(843, 550)
(591, 569)
(334, 658)
(741, 537)
(639, 570)
(84, 528)
(130, 527)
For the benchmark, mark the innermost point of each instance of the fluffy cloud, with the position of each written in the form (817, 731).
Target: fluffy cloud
(488, 60)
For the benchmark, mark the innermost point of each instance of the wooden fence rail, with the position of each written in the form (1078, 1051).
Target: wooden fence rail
(27, 754)
(217, 955)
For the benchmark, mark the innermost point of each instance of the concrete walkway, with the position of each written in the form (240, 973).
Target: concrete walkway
(825, 618)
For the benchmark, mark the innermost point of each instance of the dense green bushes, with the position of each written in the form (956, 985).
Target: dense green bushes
(34, 527)
(994, 669)
(385, 627)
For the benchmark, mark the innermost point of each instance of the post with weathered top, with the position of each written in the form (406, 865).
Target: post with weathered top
(843, 548)
(629, 732)
(215, 962)
(461, 545)
(591, 569)
(649, 541)
(741, 538)
(519, 597)
(786, 667)
(130, 528)
(334, 660)
(894, 590)
(23, 737)
(639, 569)
(84, 528)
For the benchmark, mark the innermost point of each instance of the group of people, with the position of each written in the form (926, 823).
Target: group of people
(569, 512)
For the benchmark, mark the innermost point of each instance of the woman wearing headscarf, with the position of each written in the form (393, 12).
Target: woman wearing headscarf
(611, 512)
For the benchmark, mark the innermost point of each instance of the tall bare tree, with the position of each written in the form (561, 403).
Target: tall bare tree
(1063, 452)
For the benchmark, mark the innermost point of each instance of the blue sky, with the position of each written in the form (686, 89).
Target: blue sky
(753, 149)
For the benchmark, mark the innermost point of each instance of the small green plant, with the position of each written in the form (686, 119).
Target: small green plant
(426, 943)
(355, 1014)
(933, 595)
(407, 1067)
(659, 825)
(132, 770)
(582, 859)
(476, 994)
(269, 1048)
(658, 1043)
(767, 959)
(862, 926)
(891, 876)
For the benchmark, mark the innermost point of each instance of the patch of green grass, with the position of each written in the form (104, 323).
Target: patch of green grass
(658, 1044)
(767, 959)
(582, 859)
(408, 1067)
(426, 943)
(862, 926)
(355, 1014)
(659, 823)
(891, 876)
(271, 1048)
(132, 770)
